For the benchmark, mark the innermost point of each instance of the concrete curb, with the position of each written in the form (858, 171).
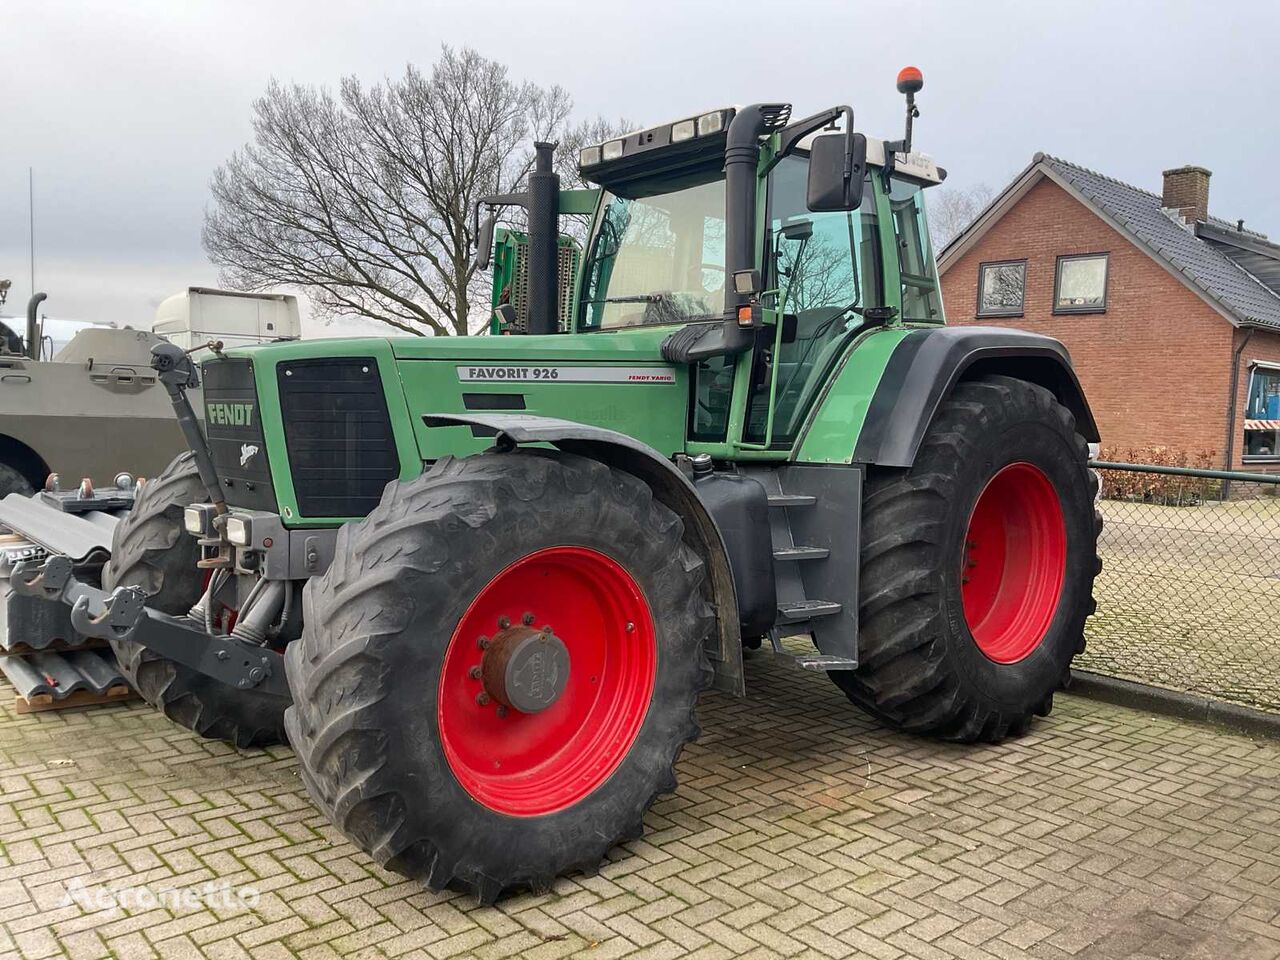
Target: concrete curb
(1174, 703)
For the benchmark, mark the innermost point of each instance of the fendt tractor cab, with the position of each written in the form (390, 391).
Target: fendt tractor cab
(479, 582)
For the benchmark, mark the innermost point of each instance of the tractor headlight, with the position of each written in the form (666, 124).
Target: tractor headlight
(589, 157)
(710, 123)
(611, 150)
(684, 130)
(198, 519)
(239, 530)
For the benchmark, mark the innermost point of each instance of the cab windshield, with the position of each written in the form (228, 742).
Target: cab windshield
(658, 257)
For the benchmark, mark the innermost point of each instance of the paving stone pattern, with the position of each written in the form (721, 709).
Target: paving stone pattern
(800, 829)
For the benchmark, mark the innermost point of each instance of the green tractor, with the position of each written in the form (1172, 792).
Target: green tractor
(478, 583)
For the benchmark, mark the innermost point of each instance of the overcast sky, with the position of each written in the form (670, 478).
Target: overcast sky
(123, 109)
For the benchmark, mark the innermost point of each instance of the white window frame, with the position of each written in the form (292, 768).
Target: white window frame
(1255, 366)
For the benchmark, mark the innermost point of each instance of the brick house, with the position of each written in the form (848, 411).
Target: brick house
(1172, 316)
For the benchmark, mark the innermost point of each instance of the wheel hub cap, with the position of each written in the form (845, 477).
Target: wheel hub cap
(525, 669)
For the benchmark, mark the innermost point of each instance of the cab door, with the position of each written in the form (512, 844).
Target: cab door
(825, 269)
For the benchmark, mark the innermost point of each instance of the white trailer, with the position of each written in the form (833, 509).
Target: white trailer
(200, 314)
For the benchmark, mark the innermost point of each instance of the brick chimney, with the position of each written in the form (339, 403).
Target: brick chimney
(1186, 189)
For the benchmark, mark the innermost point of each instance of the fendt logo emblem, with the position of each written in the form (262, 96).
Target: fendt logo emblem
(247, 452)
(229, 414)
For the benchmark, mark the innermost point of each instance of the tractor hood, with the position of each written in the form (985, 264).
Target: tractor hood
(616, 379)
(320, 426)
(608, 346)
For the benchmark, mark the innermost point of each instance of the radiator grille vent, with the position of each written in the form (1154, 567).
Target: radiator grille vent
(567, 267)
(337, 434)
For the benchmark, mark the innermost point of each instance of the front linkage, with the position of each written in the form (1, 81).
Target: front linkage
(238, 659)
(122, 614)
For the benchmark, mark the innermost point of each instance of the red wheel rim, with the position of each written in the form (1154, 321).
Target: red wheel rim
(528, 764)
(1014, 562)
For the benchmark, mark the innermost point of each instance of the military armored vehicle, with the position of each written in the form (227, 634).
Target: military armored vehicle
(96, 407)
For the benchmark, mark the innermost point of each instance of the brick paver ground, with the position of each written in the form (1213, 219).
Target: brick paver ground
(800, 829)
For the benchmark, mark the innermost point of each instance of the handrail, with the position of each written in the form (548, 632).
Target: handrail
(1273, 478)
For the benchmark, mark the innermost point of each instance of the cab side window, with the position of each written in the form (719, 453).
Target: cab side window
(920, 299)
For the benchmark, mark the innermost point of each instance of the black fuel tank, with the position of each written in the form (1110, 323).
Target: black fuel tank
(740, 507)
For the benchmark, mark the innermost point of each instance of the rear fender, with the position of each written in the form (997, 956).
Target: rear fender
(669, 486)
(925, 367)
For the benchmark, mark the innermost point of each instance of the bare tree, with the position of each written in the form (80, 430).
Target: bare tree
(951, 209)
(363, 198)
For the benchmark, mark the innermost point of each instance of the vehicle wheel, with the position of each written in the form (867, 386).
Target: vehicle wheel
(498, 671)
(150, 549)
(977, 567)
(11, 481)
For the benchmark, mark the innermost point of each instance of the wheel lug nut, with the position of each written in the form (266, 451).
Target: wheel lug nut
(631, 628)
(474, 673)
(504, 622)
(501, 711)
(483, 643)
(527, 619)
(482, 698)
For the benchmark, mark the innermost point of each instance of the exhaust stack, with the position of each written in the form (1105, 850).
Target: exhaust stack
(544, 269)
(33, 325)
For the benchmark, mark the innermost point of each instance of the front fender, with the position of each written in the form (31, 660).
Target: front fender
(669, 485)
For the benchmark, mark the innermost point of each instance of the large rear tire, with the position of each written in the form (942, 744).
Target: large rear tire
(977, 567)
(151, 550)
(400, 742)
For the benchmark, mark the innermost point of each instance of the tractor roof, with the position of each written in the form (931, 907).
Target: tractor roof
(699, 138)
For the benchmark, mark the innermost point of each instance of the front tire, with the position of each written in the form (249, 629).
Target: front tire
(151, 550)
(977, 567)
(425, 609)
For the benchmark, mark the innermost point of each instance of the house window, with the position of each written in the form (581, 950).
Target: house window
(1262, 414)
(1080, 285)
(1001, 288)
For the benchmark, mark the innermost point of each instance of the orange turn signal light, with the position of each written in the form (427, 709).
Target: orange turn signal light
(745, 315)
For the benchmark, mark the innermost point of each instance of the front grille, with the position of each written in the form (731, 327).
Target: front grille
(338, 435)
(233, 427)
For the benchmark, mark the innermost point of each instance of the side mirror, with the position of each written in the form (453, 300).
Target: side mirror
(797, 229)
(828, 188)
(484, 244)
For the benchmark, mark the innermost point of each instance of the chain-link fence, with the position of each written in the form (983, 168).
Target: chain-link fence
(1189, 594)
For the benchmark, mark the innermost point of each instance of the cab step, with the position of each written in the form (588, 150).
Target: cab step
(798, 611)
(801, 553)
(791, 500)
(821, 663)
(817, 662)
